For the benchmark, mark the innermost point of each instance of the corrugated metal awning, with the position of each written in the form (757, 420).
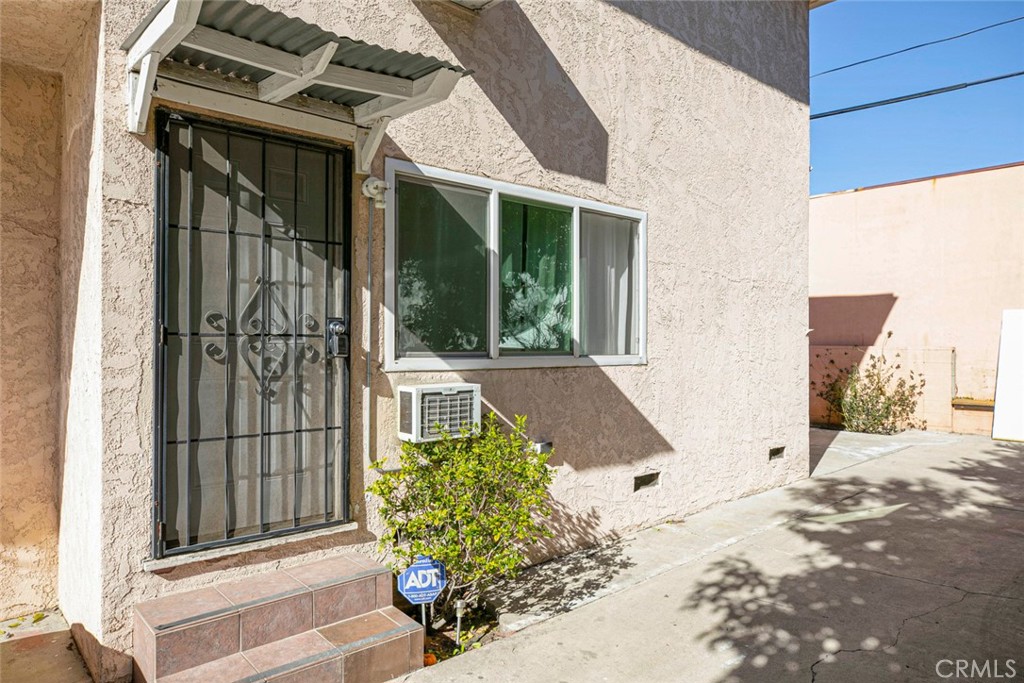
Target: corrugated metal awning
(249, 51)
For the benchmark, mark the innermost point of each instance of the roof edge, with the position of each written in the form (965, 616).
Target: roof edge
(922, 179)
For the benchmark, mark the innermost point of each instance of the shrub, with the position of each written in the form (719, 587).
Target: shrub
(872, 398)
(474, 503)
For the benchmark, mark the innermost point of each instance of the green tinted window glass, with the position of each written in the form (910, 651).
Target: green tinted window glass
(536, 278)
(442, 269)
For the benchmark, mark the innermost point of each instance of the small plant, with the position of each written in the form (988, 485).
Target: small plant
(872, 398)
(475, 503)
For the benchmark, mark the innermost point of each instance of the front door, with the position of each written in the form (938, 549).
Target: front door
(252, 388)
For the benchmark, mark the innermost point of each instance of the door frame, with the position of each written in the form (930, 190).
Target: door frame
(343, 206)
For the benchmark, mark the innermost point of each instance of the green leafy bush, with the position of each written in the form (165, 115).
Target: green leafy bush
(872, 398)
(474, 503)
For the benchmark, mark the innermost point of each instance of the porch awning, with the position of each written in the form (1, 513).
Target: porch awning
(233, 49)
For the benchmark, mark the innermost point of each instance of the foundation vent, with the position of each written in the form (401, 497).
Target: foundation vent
(646, 481)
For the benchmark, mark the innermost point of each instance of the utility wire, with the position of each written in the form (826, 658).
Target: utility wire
(917, 95)
(914, 47)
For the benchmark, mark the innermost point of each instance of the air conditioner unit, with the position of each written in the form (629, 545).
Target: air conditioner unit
(427, 411)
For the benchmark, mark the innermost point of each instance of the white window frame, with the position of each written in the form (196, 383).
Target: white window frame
(395, 168)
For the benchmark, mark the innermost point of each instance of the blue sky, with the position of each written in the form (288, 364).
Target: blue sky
(972, 128)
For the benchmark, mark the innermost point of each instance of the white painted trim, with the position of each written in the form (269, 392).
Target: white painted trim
(140, 93)
(390, 256)
(304, 69)
(393, 168)
(439, 364)
(367, 144)
(577, 346)
(254, 110)
(165, 31)
(236, 86)
(493, 275)
(279, 86)
(222, 44)
(430, 89)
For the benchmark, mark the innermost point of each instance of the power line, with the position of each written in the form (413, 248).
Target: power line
(914, 47)
(917, 95)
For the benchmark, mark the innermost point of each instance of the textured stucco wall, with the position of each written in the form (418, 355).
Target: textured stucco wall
(935, 261)
(694, 112)
(30, 136)
(82, 495)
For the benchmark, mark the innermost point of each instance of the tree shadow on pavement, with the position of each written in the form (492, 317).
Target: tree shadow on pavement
(557, 585)
(903, 573)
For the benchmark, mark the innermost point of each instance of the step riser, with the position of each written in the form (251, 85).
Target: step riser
(180, 632)
(370, 648)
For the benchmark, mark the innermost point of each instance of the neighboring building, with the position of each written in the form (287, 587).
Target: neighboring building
(597, 211)
(935, 261)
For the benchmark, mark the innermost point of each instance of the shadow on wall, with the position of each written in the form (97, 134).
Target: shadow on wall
(852, 322)
(707, 27)
(849, 320)
(587, 417)
(515, 69)
(882, 595)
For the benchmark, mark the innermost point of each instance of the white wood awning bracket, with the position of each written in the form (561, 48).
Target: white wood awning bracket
(279, 86)
(368, 142)
(140, 93)
(163, 33)
(430, 89)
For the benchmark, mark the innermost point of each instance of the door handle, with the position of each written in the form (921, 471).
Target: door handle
(337, 338)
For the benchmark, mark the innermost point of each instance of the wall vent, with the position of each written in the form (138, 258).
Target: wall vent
(776, 453)
(645, 481)
(428, 411)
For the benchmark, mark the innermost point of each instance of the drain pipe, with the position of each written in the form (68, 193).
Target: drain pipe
(373, 189)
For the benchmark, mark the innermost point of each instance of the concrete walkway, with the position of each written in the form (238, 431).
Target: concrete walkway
(899, 553)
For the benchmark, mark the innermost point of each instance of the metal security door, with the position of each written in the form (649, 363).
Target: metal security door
(252, 348)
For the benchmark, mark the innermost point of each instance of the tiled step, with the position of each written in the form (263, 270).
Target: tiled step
(370, 648)
(210, 625)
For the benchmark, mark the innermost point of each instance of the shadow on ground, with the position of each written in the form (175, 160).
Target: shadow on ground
(905, 572)
(581, 575)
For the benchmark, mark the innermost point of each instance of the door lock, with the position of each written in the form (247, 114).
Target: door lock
(337, 338)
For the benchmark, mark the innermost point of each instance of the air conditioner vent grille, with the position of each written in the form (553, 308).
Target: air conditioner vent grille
(450, 411)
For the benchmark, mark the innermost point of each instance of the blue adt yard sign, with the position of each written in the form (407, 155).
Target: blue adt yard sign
(423, 581)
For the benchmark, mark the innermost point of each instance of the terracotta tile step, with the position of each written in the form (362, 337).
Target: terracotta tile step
(182, 631)
(370, 648)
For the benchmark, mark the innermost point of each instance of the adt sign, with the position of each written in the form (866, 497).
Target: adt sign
(423, 581)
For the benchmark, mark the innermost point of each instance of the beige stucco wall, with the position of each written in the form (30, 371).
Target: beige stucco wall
(693, 112)
(30, 135)
(934, 261)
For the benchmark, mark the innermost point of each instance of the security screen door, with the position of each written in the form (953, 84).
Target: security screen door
(253, 309)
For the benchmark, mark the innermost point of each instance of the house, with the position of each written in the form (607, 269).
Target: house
(934, 261)
(596, 211)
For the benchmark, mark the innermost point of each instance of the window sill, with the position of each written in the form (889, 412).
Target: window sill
(436, 364)
(164, 563)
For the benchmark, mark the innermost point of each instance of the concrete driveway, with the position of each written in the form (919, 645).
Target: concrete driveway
(901, 559)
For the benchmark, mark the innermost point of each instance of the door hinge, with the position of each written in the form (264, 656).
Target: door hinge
(161, 528)
(163, 335)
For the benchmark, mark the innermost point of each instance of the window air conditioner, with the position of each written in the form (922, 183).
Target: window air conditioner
(427, 411)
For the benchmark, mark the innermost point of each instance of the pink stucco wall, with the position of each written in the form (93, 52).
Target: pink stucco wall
(693, 112)
(30, 135)
(935, 261)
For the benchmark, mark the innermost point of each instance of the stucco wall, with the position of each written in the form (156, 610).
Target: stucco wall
(82, 493)
(694, 112)
(934, 261)
(30, 136)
